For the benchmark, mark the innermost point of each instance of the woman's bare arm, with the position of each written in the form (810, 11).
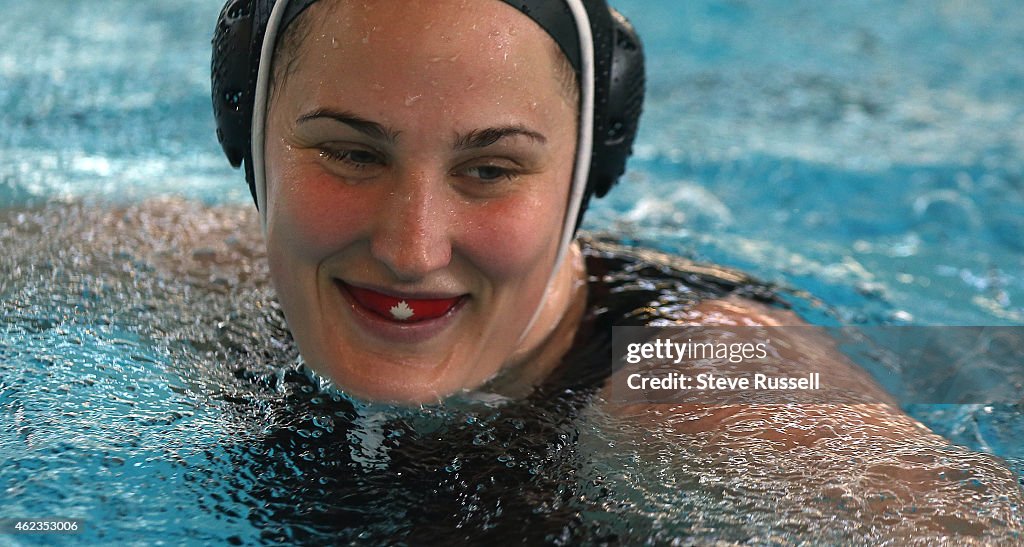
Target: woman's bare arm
(870, 463)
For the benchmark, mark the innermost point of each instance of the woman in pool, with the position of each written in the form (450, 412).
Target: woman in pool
(419, 205)
(420, 169)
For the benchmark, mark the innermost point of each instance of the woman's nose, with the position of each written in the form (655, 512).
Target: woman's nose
(412, 231)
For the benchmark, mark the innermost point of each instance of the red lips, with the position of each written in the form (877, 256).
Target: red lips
(406, 310)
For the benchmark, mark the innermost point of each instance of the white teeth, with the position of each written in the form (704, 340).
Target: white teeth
(402, 311)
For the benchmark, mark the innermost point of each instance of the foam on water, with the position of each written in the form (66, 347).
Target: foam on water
(148, 388)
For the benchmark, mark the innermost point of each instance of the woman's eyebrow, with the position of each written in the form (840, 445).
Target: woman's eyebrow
(481, 138)
(371, 129)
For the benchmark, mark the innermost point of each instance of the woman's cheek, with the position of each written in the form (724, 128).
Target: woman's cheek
(316, 216)
(512, 238)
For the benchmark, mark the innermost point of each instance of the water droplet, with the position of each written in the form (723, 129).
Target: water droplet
(483, 438)
(324, 422)
(454, 466)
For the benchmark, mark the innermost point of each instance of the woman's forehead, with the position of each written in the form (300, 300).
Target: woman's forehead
(441, 50)
(470, 27)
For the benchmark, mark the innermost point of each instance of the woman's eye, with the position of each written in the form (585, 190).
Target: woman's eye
(490, 173)
(358, 159)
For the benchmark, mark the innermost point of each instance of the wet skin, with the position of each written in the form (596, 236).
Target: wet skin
(421, 151)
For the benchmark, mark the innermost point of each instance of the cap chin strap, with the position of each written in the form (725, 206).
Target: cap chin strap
(584, 149)
(584, 143)
(260, 107)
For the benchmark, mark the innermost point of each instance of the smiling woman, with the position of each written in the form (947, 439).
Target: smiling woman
(420, 204)
(415, 198)
(421, 168)
(865, 153)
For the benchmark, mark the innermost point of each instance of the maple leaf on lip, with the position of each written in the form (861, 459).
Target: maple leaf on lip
(401, 311)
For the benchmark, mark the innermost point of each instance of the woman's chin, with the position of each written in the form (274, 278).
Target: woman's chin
(397, 391)
(397, 378)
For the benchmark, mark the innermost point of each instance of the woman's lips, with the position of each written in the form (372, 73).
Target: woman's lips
(399, 308)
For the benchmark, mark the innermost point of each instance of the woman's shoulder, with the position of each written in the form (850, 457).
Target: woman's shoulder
(604, 249)
(643, 286)
(629, 286)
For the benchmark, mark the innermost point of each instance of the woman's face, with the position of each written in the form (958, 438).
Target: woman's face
(418, 158)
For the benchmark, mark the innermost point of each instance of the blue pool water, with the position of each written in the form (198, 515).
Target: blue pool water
(867, 156)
